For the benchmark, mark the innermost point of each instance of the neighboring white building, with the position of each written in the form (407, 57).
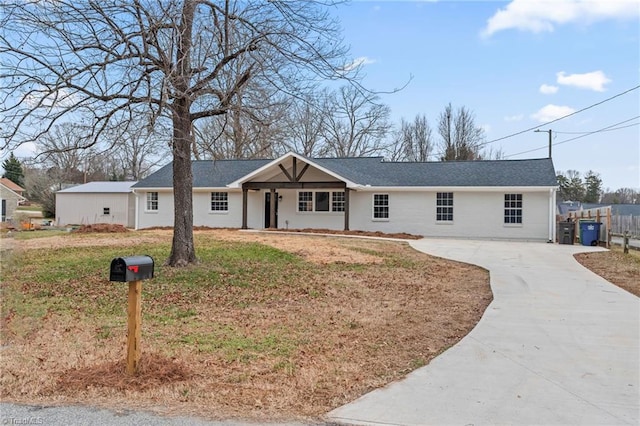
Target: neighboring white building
(501, 199)
(96, 202)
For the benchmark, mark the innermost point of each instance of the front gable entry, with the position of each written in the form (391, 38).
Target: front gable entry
(291, 171)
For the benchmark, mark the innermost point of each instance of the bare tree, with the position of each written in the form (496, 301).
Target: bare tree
(304, 125)
(355, 124)
(136, 151)
(413, 141)
(492, 154)
(65, 154)
(41, 188)
(621, 196)
(241, 133)
(461, 138)
(106, 63)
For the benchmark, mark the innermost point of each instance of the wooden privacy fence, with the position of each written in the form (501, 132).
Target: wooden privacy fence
(620, 224)
(599, 214)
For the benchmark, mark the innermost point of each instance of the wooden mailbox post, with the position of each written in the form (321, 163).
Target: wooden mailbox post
(133, 270)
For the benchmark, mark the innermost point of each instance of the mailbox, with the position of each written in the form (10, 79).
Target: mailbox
(132, 268)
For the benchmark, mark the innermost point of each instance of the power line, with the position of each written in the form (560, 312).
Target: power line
(604, 129)
(599, 131)
(561, 118)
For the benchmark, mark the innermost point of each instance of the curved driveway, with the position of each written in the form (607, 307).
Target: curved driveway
(558, 345)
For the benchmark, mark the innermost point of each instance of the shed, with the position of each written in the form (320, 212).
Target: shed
(96, 202)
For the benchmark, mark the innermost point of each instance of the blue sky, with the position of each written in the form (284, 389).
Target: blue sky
(516, 65)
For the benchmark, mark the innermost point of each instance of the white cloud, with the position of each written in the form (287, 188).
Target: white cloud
(486, 127)
(548, 89)
(551, 112)
(61, 98)
(543, 16)
(591, 80)
(357, 63)
(511, 118)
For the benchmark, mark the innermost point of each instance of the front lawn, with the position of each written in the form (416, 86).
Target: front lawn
(265, 326)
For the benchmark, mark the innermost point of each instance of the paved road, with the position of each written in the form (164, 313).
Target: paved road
(15, 414)
(558, 345)
(633, 242)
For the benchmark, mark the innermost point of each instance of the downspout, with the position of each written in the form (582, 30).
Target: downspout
(552, 214)
(136, 224)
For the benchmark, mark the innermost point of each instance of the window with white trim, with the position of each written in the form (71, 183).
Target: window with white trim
(381, 206)
(219, 202)
(321, 201)
(305, 201)
(337, 201)
(152, 201)
(444, 207)
(513, 208)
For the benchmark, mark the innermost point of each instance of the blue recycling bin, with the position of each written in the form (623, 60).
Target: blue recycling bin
(589, 233)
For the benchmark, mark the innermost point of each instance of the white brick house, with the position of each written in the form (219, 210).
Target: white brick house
(501, 199)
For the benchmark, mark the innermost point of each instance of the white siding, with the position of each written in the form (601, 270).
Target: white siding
(161, 217)
(202, 215)
(289, 216)
(88, 208)
(476, 215)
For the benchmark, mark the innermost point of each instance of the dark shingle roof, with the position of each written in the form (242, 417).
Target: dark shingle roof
(206, 174)
(376, 172)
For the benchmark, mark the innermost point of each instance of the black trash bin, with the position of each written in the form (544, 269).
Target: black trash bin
(566, 232)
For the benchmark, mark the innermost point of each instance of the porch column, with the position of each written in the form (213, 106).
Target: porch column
(245, 193)
(346, 209)
(272, 213)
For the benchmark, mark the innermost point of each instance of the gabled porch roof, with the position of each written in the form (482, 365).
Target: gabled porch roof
(293, 166)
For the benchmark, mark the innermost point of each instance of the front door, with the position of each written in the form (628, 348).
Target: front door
(267, 210)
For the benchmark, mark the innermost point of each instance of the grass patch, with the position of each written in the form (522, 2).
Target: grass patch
(262, 327)
(39, 233)
(31, 208)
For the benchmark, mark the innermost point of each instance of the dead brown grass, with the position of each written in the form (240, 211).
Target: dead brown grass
(376, 311)
(101, 228)
(155, 370)
(616, 267)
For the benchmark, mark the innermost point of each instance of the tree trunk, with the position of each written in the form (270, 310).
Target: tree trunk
(183, 249)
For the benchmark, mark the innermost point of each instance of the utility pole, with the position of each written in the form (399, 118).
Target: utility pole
(548, 131)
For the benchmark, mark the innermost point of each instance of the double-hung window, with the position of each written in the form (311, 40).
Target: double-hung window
(512, 208)
(381, 206)
(305, 201)
(338, 201)
(444, 206)
(152, 201)
(219, 202)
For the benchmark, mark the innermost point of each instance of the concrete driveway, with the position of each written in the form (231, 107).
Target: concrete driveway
(558, 345)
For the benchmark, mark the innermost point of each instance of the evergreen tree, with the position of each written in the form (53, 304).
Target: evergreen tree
(13, 170)
(593, 187)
